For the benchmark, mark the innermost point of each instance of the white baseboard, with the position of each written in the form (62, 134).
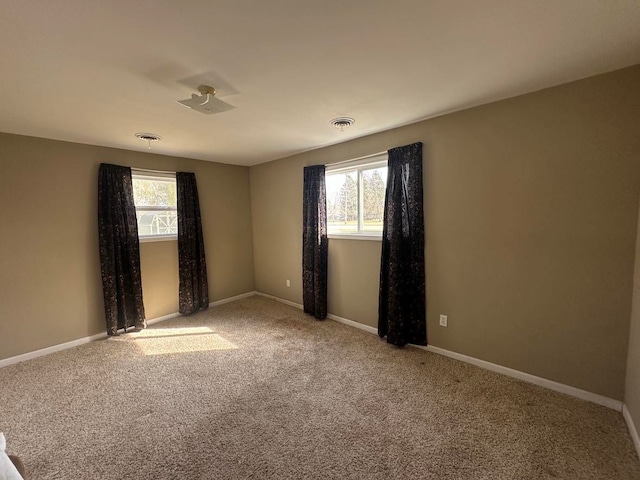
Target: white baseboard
(98, 336)
(232, 299)
(55, 348)
(632, 428)
(351, 323)
(330, 316)
(281, 300)
(510, 372)
(529, 378)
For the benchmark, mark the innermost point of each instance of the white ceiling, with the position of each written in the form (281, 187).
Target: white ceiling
(96, 72)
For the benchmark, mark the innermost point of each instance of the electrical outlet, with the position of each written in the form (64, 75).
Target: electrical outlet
(288, 283)
(443, 320)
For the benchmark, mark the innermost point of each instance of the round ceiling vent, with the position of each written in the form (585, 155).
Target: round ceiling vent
(148, 137)
(342, 122)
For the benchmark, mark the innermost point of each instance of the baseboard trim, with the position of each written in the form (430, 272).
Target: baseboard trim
(529, 378)
(281, 300)
(510, 372)
(232, 299)
(330, 316)
(632, 428)
(48, 350)
(353, 324)
(99, 336)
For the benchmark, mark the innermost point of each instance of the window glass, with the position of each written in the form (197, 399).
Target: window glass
(156, 206)
(374, 183)
(355, 198)
(342, 202)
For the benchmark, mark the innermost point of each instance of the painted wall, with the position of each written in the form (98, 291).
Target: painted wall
(632, 386)
(50, 286)
(531, 206)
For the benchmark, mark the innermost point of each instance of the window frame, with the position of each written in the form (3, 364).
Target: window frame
(358, 166)
(158, 176)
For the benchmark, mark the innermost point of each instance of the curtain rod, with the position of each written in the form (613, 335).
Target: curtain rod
(355, 159)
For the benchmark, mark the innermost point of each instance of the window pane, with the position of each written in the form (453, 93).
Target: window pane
(152, 222)
(156, 201)
(355, 197)
(374, 185)
(152, 192)
(342, 202)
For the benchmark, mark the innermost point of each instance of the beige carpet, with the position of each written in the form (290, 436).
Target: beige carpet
(257, 390)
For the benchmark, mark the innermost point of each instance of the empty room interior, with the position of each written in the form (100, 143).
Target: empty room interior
(294, 239)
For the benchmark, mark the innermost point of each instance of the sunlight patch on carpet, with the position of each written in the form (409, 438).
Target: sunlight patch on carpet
(169, 332)
(164, 341)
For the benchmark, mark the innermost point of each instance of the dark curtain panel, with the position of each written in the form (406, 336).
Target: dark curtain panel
(314, 242)
(402, 303)
(119, 249)
(192, 267)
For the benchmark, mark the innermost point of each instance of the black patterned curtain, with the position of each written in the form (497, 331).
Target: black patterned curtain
(402, 303)
(192, 266)
(314, 242)
(119, 249)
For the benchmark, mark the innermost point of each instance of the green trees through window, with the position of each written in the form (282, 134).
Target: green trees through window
(355, 199)
(149, 193)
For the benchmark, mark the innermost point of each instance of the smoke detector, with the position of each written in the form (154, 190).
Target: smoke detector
(148, 137)
(342, 122)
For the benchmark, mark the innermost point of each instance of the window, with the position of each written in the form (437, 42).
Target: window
(355, 197)
(156, 205)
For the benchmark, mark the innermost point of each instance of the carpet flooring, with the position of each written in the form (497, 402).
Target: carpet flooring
(257, 390)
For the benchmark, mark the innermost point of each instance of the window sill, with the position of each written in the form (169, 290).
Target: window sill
(158, 238)
(354, 236)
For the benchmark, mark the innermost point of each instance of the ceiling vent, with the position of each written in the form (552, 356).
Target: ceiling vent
(148, 137)
(342, 122)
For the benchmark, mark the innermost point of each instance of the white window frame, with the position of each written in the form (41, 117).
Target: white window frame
(159, 176)
(358, 165)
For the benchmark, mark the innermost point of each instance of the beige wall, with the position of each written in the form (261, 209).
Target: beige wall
(531, 207)
(632, 386)
(159, 271)
(50, 287)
